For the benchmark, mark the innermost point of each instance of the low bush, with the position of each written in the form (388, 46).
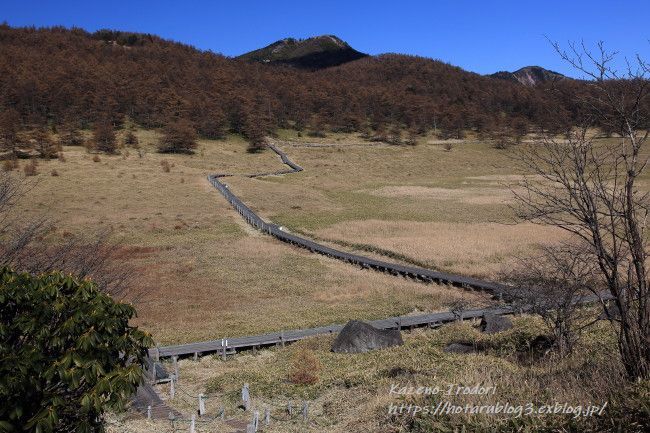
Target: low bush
(305, 367)
(31, 168)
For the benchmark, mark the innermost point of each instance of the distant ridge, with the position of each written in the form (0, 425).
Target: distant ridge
(314, 53)
(529, 75)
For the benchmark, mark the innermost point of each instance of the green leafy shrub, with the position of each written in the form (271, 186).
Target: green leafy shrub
(67, 353)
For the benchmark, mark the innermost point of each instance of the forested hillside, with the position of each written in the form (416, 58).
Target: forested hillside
(60, 76)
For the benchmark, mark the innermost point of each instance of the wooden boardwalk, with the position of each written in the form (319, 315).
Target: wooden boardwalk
(147, 396)
(416, 273)
(230, 345)
(421, 274)
(279, 338)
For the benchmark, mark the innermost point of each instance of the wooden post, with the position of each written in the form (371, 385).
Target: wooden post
(246, 396)
(172, 388)
(222, 413)
(149, 412)
(256, 419)
(267, 416)
(175, 364)
(305, 411)
(156, 354)
(193, 424)
(196, 356)
(289, 409)
(201, 405)
(224, 345)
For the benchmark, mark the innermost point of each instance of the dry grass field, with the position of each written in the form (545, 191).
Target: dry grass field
(203, 273)
(449, 210)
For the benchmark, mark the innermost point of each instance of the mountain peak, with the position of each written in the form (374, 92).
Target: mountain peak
(313, 53)
(529, 75)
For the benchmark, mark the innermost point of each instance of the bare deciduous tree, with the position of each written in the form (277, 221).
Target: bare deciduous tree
(25, 247)
(553, 284)
(589, 189)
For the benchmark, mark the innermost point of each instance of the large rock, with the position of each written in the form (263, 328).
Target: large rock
(360, 337)
(493, 323)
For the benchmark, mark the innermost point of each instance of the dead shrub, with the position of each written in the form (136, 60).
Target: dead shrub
(448, 146)
(166, 167)
(31, 168)
(9, 164)
(96, 158)
(131, 140)
(305, 367)
(54, 173)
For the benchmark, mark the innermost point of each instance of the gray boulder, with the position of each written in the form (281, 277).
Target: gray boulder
(493, 323)
(360, 337)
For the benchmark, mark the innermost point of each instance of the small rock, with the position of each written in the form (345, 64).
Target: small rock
(541, 345)
(161, 371)
(612, 312)
(493, 323)
(360, 337)
(400, 372)
(460, 348)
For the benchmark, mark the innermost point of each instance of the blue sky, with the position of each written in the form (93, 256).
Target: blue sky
(481, 36)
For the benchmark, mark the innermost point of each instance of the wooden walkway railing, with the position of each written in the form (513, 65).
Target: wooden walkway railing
(231, 345)
(226, 346)
(420, 274)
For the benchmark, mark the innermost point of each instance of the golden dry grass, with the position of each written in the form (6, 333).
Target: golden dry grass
(203, 273)
(480, 249)
(468, 195)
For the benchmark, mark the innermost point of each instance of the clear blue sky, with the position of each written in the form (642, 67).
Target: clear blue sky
(481, 36)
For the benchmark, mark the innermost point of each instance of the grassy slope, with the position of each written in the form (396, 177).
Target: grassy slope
(352, 394)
